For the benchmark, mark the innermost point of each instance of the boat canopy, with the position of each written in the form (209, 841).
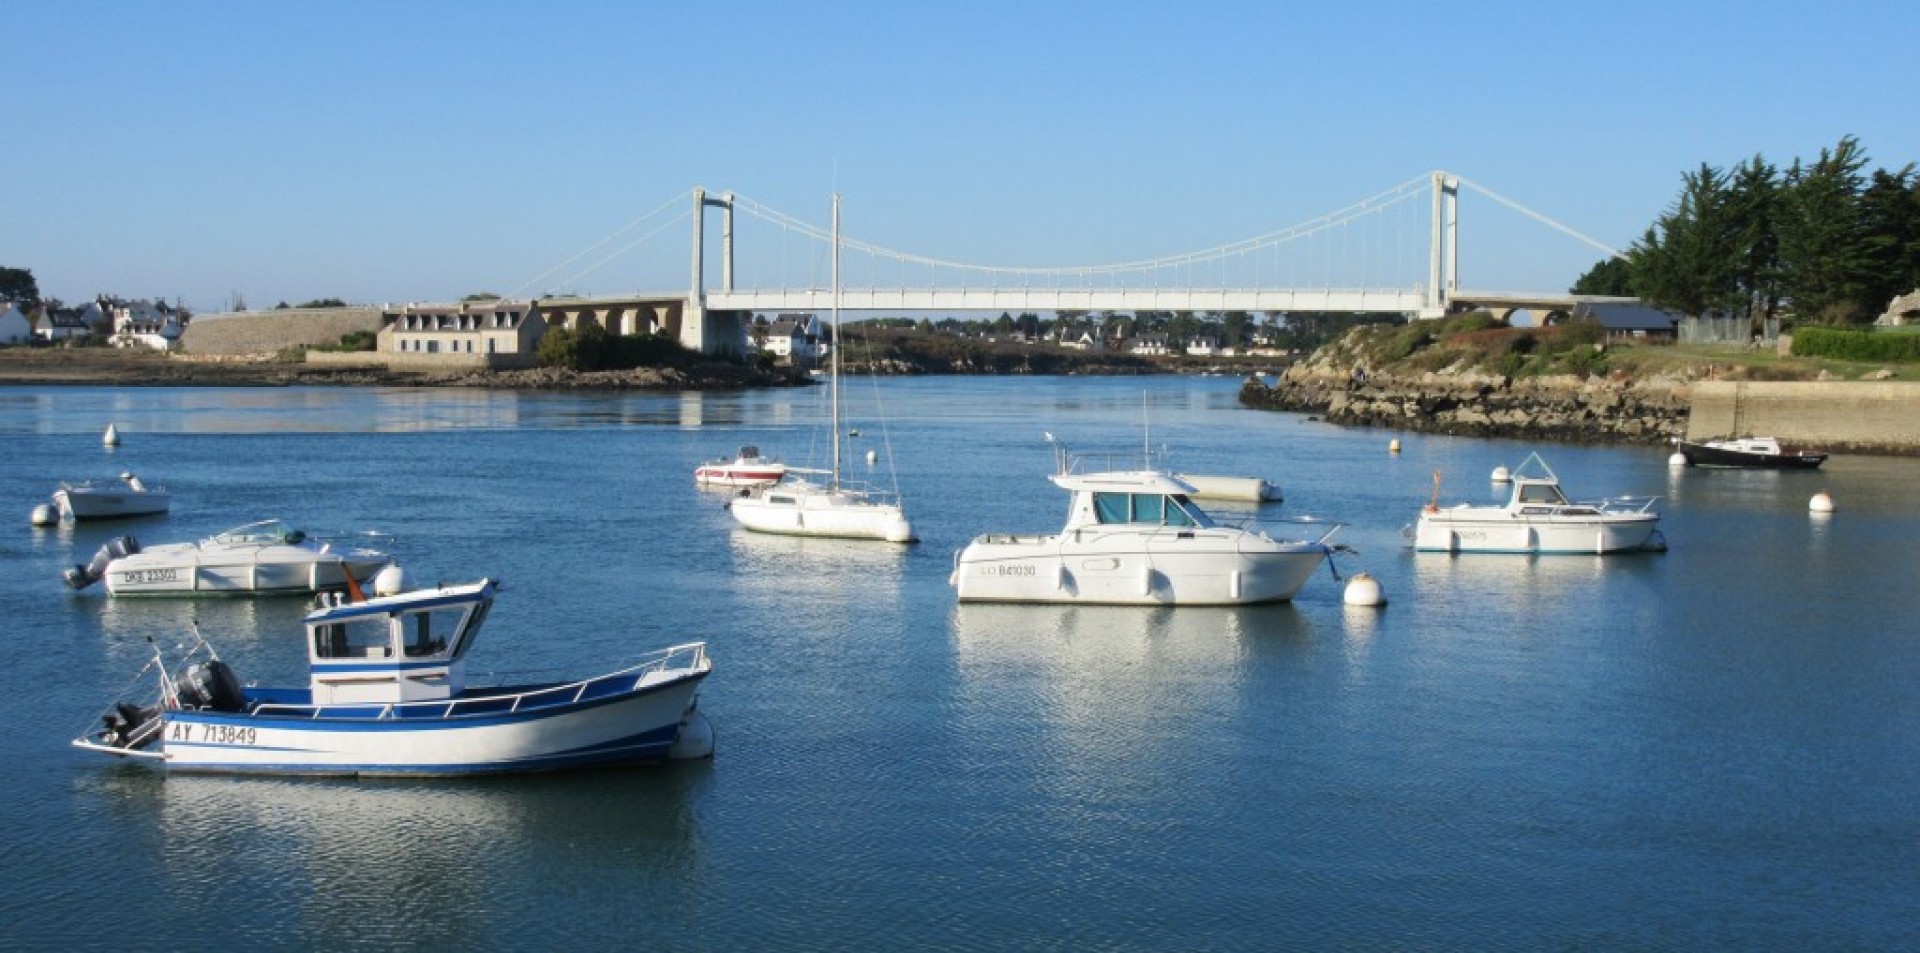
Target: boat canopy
(1538, 492)
(1124, 481)
(400, 631)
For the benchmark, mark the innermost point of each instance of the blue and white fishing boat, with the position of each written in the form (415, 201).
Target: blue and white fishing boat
(388, 696)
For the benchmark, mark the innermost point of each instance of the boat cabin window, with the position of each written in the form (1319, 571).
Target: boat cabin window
(1143, 508)
(428, 633)
(359, 637)
(1541, 493)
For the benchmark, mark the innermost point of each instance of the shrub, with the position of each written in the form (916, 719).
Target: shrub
(1848, 345)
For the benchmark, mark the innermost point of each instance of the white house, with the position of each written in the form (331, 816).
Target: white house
(15, 328)
(1204, 346)
(491, 332)
(143, 323)
(795, 337)
(1151, 345)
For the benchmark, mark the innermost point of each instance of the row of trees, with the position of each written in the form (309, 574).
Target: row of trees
(1823, 241)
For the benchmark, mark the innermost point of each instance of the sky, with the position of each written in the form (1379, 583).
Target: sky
(421, 151)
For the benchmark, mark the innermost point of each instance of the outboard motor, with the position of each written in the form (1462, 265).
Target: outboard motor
(80, 577)
(211, 686)
(131, 726)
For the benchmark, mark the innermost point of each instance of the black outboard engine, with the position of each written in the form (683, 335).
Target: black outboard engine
(211, 686)
(80, 577)
(131, 726)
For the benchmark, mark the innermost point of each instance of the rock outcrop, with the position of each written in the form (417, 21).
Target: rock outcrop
(1561, 409)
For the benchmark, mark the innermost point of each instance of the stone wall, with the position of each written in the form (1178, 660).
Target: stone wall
(1857, 416)
(265, 332)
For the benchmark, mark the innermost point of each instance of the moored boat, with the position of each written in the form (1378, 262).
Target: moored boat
(388, 695)
(833, 506)
(1538, 518)
(747, 468)
(115, 499)
(1135, 537)
(1750, 452)
(260, 558)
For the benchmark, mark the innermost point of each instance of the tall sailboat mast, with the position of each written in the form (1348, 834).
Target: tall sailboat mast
(836, 341)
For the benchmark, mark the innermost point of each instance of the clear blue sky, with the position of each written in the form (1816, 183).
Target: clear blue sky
(391, 151)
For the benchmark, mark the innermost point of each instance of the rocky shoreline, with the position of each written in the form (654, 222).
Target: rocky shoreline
(1559, 409)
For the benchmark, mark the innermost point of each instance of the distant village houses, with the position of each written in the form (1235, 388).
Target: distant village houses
(795, 338)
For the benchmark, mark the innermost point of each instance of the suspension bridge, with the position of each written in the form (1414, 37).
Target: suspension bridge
(1358, 259)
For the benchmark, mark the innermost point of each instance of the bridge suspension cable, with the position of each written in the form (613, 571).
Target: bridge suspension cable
(1536, 216)
(1366, 207)
(678, 200)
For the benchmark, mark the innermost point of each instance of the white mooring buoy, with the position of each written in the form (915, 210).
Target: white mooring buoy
(1502, 475)
(1677, 461)
(112, 437)
(873, 457)
(1364, 590)
(1821, 503)
(1394, 446)
(45, 515)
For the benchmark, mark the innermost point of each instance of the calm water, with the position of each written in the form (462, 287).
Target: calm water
(1711, 748)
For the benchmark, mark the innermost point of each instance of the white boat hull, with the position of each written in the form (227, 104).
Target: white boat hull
(636, 727)
(84, 504)
(1216, 566)
(184, 569)
(807, 511)
(1502, 532)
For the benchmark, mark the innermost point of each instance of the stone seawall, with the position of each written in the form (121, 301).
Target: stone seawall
(1562, 410)
(1843, 416)
(265, 332)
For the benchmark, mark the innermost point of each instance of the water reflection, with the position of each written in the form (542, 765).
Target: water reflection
(440, 864)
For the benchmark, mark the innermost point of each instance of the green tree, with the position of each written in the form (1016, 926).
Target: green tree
(1608, 276)
(1890, 213)
(1685, 261)
(1822, 250)
(17, 285)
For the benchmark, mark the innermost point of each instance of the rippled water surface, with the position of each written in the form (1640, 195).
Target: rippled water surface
(1708, 748)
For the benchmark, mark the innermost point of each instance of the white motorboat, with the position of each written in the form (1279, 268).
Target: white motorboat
(1135, 537)
(747, 468)
(388, 695)
(831, 507)
(103, 499)
(1538, 518)
(261, 558)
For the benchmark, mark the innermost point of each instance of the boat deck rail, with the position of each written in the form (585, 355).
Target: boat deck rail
(1271, 527)
(661, 666)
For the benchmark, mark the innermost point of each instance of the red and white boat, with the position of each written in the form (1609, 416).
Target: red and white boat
(749, 468)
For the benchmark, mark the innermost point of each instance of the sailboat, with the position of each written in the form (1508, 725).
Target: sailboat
(834, 508)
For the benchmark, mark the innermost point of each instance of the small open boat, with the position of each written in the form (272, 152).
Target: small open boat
(748, 468)
(110, 499)
(1537, 518)
(387, 695)
(1754, 452)
(256, 559)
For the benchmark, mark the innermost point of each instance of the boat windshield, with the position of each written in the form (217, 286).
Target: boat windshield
(1540, 493)
(265, 531)
(1156, 508)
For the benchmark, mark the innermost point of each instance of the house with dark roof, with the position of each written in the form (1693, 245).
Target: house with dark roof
(1630, 321)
